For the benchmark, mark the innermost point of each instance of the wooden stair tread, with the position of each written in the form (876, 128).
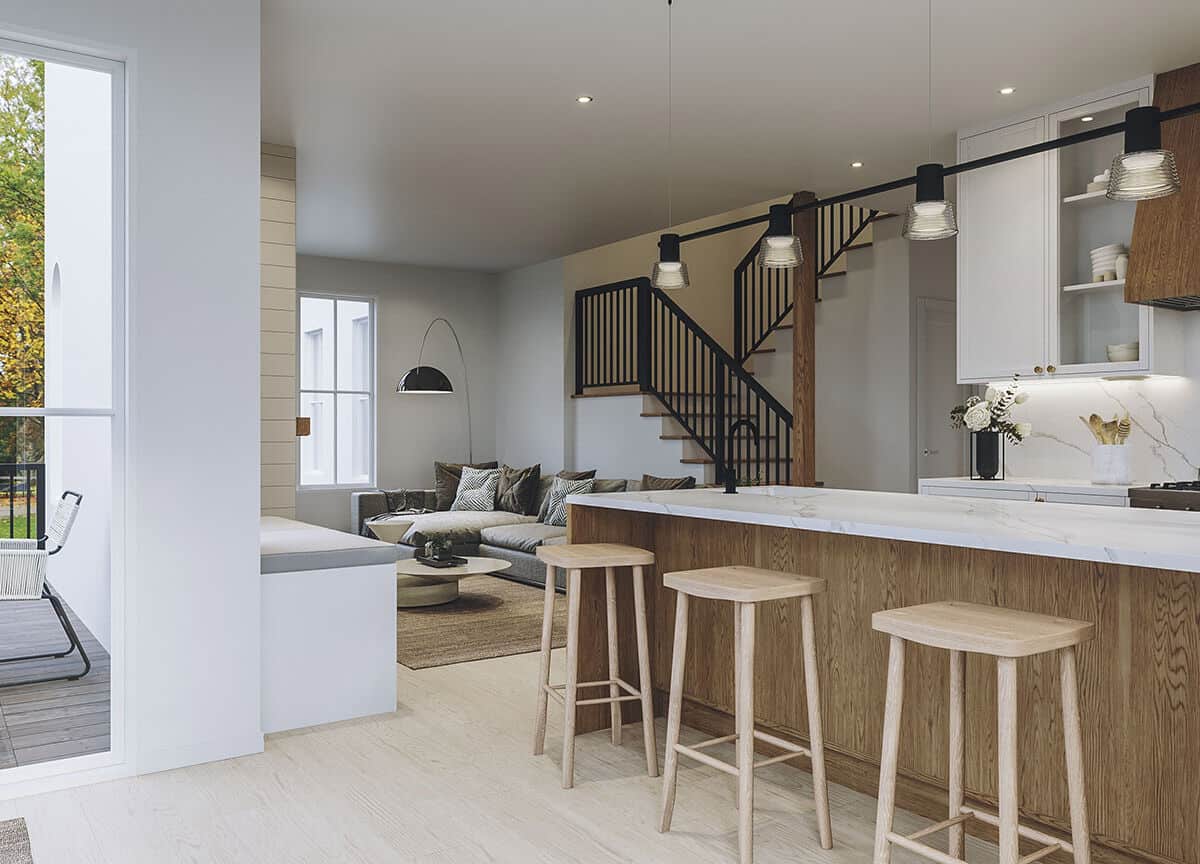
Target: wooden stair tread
(693, 414)
(683, 436)
(613, 390)
(763, 350)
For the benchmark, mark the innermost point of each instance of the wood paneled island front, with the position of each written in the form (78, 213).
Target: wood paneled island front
(1134, 573)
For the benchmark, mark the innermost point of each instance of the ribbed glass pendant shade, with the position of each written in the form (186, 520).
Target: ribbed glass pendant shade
(669, 275)
(931, 216)
(780, 253)
(930, 220)
(1142, 176)
(780, 249)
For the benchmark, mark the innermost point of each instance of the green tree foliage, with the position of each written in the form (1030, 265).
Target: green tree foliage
(22, 251)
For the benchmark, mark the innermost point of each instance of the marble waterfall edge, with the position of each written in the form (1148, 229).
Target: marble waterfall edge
(1141, 538)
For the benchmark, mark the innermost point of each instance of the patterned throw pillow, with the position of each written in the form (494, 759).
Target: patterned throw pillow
(556, 511)
(544, 492)
(445, 480)
(477, 490)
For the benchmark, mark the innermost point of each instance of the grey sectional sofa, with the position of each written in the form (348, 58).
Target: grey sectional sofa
(494, 534)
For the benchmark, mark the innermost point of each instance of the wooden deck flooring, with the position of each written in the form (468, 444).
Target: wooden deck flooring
(43, 722)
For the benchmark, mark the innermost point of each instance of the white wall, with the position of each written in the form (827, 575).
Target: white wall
(531, 352)
(192, 566)
(611, 437)
(78, 255)
(415, 431)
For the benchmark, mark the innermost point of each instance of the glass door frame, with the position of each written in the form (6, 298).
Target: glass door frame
(117, 762)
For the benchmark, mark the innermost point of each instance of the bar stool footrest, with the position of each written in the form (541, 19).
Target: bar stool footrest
(912, 843)
(694, 751)
(556, 690)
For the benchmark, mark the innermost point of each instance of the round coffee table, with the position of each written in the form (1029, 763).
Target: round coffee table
(421, 585)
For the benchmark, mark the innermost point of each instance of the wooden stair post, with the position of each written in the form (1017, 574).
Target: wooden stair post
(804, 347)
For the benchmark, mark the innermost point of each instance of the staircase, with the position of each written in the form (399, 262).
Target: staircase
(634, 339)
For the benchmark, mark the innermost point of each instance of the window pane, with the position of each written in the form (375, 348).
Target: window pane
(354, 438)
(316, 449)
(316, 343)
(55, 235)
(354, 345)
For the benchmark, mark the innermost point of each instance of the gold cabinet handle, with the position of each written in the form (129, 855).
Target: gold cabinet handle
(1051, 369)
(1038, 370)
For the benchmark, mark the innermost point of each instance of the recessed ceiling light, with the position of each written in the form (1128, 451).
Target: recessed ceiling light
(584, 99)
(1087, 119)
(855, 164)
(1007, 91)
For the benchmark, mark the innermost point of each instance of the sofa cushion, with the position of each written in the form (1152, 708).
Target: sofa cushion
(458, 526)
(556, 511)
(518, 489)
(651, 483)
(524, 537)
(477, 489)
(409, 499)
(445, 480)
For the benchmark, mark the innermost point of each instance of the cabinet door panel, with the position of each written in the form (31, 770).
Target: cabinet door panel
(1002, 257)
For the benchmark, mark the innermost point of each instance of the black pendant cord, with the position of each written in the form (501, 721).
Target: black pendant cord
(961, 168)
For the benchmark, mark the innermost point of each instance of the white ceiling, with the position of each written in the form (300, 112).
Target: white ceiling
(446, 132)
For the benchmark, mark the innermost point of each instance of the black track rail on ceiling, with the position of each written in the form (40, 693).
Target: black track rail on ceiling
(986, 161)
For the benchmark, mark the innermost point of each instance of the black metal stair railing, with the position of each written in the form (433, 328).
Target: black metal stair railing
(631, 333)
(762, 298)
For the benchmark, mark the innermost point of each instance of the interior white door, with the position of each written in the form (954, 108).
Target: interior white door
(1001, 257)
(941, 451)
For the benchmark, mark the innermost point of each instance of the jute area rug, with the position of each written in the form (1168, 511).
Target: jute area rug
(492, 617)
(14, 843)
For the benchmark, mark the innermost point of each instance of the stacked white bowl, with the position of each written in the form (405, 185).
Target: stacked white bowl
(1104, 261)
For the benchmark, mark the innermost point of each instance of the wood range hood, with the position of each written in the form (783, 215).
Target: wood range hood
(1164, 254)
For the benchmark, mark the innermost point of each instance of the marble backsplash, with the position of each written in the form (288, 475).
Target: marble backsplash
(1164, 445)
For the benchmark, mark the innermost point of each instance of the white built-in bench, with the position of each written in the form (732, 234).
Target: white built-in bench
(328, 625)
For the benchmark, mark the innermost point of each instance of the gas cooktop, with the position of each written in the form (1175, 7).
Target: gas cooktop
(1180, 495)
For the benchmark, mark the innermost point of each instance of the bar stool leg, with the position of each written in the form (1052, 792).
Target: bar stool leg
(539, 728)
(745, 732)
(1073, 740)
(614, 660)
(816, 737)
(674, 710)
(958, 693)
(645, 687)
(1006, 746)
(571, 690)
(890, 751)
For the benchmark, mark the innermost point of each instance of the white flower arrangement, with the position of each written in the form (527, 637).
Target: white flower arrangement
(993, 413)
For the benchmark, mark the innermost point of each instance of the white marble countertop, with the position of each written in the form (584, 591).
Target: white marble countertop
(1142, 538)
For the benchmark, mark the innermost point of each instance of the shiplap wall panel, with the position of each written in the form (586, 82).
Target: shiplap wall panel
(277, 242)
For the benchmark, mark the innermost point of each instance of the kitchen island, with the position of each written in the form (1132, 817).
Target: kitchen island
(1134, 573)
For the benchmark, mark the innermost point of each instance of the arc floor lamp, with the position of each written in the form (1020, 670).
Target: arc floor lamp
(429, 380)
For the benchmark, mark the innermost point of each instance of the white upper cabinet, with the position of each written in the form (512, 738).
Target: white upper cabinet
(1001, 256)
(1028, 301)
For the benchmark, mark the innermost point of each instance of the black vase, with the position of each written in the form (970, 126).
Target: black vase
(987, 455)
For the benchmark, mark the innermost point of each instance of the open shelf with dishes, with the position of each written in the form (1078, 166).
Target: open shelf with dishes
(1090, 248)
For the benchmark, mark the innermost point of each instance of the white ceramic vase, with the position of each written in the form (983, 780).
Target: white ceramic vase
(1110, 465)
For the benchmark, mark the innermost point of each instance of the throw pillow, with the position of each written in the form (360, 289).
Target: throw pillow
(518, 489)
(476, 489)
(544, 507)
(557, 511)
(610, 486)
(445, 480)
(651, 483)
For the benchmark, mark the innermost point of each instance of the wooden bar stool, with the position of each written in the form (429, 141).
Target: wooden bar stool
(575, 559)
(1005, 634)
(745, 587)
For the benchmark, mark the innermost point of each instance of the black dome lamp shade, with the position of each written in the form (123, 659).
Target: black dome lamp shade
(421, 380)
(424, 379)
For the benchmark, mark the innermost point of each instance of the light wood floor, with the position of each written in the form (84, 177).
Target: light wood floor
(448, 779)
(42, 722)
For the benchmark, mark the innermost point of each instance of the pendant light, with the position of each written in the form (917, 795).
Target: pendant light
(930, 216)
(780, 248)
(670, 273)
(1144, 170)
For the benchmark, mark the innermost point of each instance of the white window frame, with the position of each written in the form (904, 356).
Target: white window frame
(372, 333)
(116, 762)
